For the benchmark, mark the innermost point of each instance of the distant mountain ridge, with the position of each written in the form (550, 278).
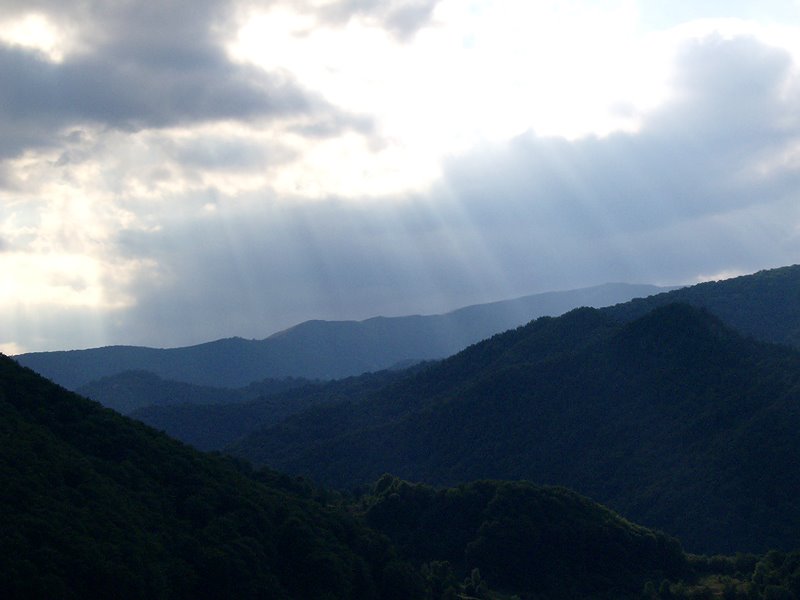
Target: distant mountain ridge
(323, 349)
(749, 302)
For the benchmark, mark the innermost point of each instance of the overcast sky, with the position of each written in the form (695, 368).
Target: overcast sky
(179, 171)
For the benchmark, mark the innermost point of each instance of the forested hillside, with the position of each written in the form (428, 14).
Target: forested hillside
(765, 305)
(525, 538)
(133, 390)
(215, 426)
(673, 419)
(95, 505)
(98, 506)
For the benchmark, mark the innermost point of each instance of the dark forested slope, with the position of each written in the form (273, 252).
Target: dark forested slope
(673, 419)
(764, 305)
(215, 426)
(538, 541)
(130, 391)
(95, 505)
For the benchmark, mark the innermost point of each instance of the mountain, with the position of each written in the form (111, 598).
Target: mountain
(322, 349)
(213, 426)
(130, 391)
(673, 419)
(97, 505)
(536, 541)
(765, 305)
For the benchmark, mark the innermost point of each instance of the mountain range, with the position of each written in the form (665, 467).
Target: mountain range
(679, 411)
(674, 420)
(682, 434)
(322, 349)
(97, 505)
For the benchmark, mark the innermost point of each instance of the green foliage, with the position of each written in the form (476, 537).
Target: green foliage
(132, 391)
(674, 420)
(775, 576)
(96, 505)
(231, 414)
(547, 542)
(765, 305)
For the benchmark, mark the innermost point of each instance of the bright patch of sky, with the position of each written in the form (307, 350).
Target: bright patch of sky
(34, 31)
(475, 73)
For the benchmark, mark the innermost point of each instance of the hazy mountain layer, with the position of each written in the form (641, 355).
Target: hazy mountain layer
(322, 349)
(95, 505)
(129, 391)
(214, 426)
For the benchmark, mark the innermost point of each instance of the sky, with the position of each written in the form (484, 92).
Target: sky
(180, 171)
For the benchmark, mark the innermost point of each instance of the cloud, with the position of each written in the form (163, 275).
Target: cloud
(737, 89)
(189, 240)
(403, 18)
(260, 270)
(735, 111)
(145, 66)
(136, 95)
(529, 215)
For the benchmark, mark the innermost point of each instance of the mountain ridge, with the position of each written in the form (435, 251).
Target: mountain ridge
(97, 505)
(321, 349)
(635, 415)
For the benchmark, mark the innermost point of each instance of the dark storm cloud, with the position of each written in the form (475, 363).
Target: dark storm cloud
(136, 95)
(256, 272)
(147, 65)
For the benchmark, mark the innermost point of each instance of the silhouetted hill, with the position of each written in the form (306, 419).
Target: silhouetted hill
(95, 505)
(538, 541)
(322, 349)
(674, 419)
(129, 391)
(214, 426)
(765, 305)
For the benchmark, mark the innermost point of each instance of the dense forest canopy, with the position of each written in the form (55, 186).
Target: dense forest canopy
(673, 419)
(97, 505)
